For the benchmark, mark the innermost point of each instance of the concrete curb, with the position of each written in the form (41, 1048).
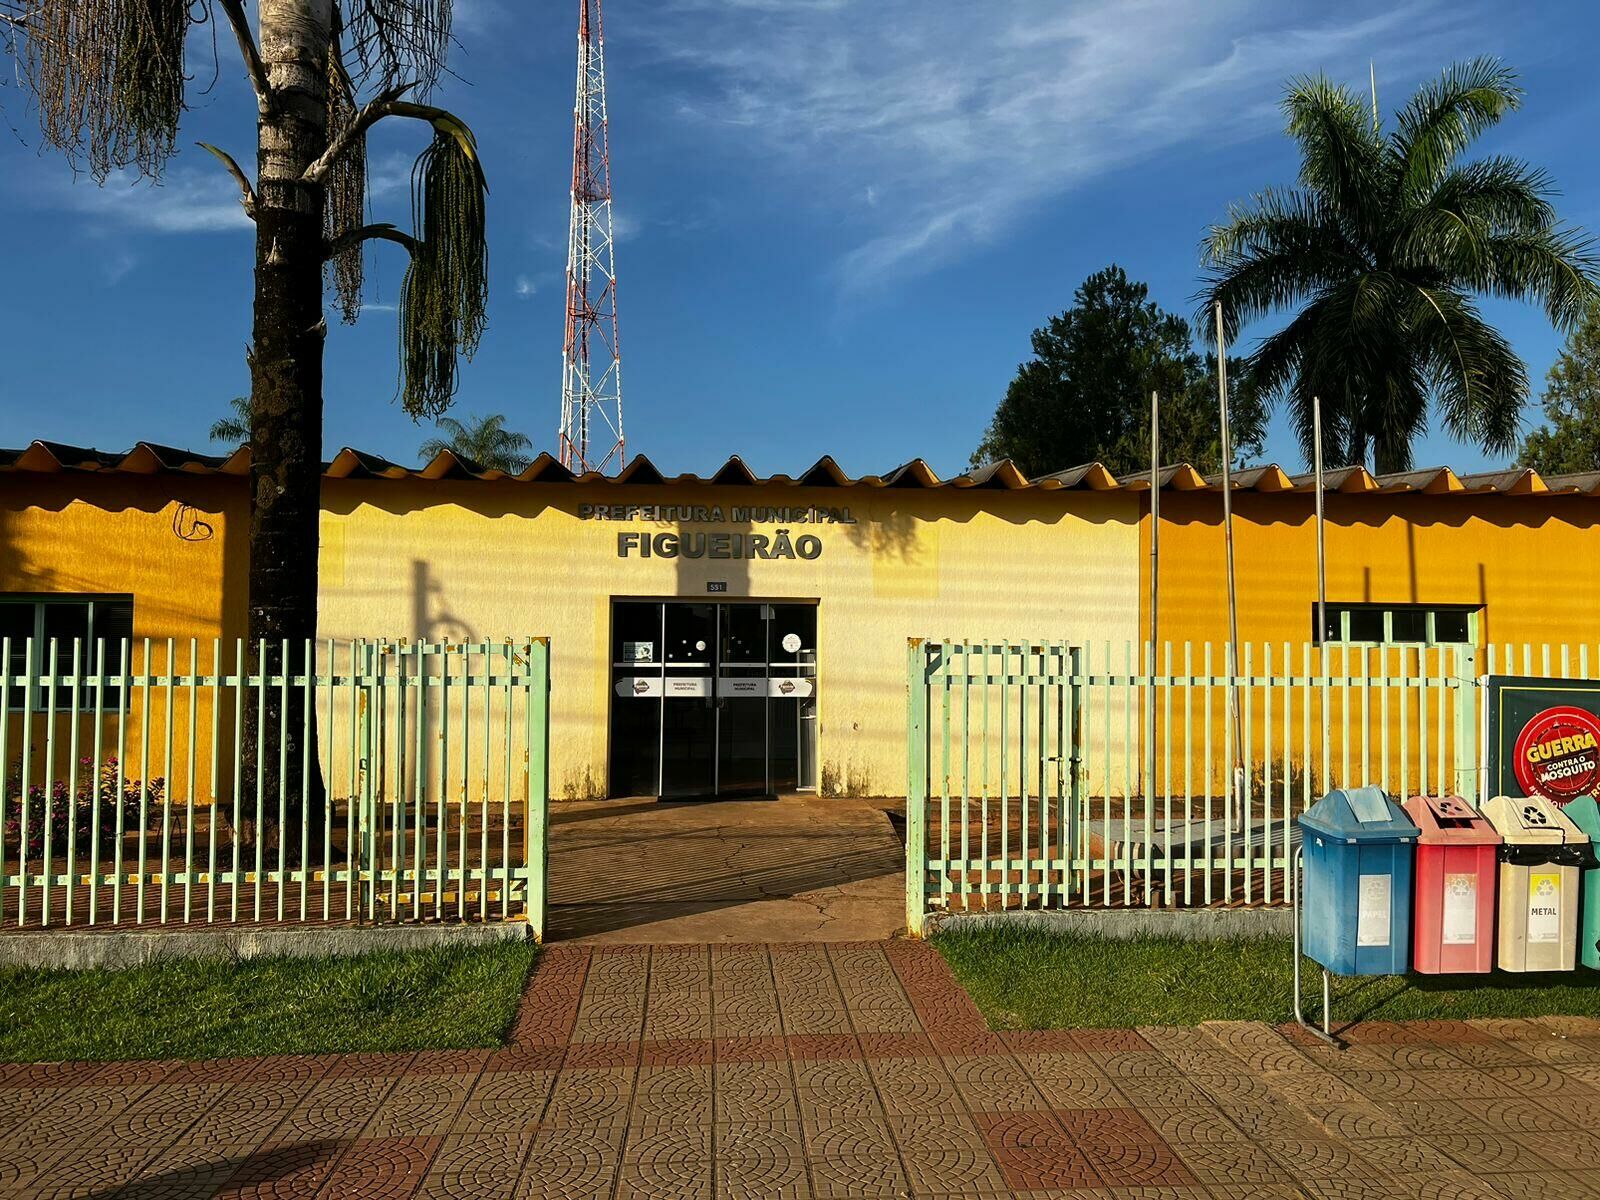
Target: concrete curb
(133, 948)
(1191, 924)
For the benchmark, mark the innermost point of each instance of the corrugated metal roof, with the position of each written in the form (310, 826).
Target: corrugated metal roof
(148, 458)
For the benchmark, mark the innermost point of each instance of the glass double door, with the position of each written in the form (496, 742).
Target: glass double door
(713, 699)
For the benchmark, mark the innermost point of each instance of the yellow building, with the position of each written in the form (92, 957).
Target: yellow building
(741, 634)
(723, 635)
(1422, 558)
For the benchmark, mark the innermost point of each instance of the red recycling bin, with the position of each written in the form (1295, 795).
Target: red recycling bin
(1455, 886)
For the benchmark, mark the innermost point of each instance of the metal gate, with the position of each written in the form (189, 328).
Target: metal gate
(1049, 774)
(133, 795)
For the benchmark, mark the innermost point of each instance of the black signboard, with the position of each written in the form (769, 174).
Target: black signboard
(1543, 737)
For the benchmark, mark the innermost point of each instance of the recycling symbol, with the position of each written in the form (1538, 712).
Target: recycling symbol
(1532, 815)
(1545, 889)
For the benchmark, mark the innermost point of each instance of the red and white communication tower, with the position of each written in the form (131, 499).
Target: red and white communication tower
(591, 360)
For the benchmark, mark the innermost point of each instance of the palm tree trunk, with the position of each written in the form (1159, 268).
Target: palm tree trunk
(286, 399)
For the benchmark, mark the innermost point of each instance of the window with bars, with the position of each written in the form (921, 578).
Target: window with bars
(1397, 624)
(81, 620)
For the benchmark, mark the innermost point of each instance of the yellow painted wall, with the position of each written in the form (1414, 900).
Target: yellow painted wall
(475, 560)
(171, 541)
(1531, 562)
(1528, 563)
(468, 560)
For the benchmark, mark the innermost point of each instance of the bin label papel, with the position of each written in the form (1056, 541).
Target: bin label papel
(1372, 915)
(1544, 907)
(1460, 908)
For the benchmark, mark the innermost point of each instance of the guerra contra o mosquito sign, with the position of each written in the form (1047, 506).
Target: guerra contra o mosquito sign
(1543, 737)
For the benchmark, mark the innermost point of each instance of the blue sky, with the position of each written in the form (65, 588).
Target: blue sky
(840, 220)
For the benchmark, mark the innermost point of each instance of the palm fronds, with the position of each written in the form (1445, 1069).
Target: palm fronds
(484, 441)
(236, 428)
(1380, 252)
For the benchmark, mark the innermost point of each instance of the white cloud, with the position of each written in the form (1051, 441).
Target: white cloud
(389, 174)
(116, 264)
(528, 286)
(957, 121)
(473, 18)
(188, 200)
(624, 228)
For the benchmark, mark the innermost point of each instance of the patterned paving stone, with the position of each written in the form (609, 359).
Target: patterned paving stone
(673, 1093)
(1544, 1185)
(1444, 1185)
(809, 1072)
(1191, 1126)
(757, 1160)
(944, 1153)
(589, 1096)
(420, 1107)
(381, 1168)
(94, 1171)
(1034, 1153)
(1309, 1086)
(1482, 1153)
(1360, 1119)
(666, 1162)
(1163, 1091)
(284, 1171)
(1406, 1155)
(994, 1083)
(908, 1086)
(573, 1163)
(1231, 1162)
(843, 1101)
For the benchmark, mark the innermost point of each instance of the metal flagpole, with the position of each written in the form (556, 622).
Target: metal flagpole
(1155, 511)
(1322, 561)
(1227, 538)
(1155, 572)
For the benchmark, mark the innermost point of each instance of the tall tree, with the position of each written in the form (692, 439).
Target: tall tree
(236, 427)
(484, 440)
(109, 80)
(1381, 254)
(1085, 395)
(1569, 442)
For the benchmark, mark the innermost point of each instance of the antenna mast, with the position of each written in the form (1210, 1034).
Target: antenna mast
(591, 359)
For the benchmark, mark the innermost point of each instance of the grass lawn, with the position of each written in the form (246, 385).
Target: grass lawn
(1033, 979)
(453, 997)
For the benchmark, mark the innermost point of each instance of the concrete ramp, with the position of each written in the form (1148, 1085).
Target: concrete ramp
(800, 868)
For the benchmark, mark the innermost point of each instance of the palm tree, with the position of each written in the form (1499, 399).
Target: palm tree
(1384, 249)
(484, 440)
(235, 429)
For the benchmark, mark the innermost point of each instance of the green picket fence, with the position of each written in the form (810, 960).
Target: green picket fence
(329, 781)
(1045, 775)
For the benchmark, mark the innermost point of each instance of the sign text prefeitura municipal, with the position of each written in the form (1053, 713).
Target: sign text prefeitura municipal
(780, 543)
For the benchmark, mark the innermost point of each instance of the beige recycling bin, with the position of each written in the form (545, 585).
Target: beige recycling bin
(1539, 862)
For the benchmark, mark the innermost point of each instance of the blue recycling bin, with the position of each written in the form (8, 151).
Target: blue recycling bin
(1355, 910)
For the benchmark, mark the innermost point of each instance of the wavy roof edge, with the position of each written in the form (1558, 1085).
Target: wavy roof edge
(149, 458)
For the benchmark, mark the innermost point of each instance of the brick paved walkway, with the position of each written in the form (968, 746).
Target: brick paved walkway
(838, 1070)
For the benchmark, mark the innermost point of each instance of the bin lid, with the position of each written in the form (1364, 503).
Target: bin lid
(1531, 821)
(1450, 820)
(1363, 814)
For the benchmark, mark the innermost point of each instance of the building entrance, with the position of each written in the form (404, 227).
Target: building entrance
(713, 699)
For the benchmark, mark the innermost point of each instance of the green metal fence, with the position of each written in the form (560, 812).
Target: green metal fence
(1046, 775)
(333, 781)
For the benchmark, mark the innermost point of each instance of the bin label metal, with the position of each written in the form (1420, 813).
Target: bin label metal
(1544, 906)
(1372, 915)
(1460, 908)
